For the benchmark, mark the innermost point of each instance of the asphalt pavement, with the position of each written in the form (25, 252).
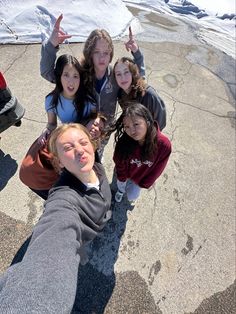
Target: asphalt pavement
(174, 252)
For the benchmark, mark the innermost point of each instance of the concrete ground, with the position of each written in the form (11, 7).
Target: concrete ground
(174, 252)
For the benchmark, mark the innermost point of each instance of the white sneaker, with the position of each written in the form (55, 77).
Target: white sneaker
(133, 202)
(118, 196)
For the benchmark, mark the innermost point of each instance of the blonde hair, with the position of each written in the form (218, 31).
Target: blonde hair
(61, 130)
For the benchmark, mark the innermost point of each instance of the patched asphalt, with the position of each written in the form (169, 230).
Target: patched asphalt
(174, 251)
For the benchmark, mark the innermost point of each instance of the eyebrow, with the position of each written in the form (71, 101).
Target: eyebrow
(80, 139)
(100, 49)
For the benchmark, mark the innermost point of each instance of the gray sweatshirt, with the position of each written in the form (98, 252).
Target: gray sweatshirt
(45, 281)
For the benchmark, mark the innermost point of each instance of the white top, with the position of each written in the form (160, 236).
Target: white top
(93, 185)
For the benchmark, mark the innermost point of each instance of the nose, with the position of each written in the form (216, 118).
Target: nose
(122, 76)
(102, 55)
(70, 80)
(96, 128)
(79, 150)
(132, 130)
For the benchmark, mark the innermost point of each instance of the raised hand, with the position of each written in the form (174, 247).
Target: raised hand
(131, 44)
(58, 35)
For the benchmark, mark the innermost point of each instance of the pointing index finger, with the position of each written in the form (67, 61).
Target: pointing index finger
(130, 33)
(58, 21)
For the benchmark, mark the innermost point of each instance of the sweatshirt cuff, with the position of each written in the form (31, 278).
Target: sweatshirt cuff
(49, 46)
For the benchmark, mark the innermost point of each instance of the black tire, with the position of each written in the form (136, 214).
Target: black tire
(11, 114)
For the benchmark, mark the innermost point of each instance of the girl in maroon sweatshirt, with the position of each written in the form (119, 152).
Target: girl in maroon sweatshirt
(141, 151)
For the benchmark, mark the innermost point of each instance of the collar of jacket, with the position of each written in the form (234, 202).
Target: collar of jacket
(68, 179)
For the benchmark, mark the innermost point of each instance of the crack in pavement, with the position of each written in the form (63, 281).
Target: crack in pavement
(14, 60)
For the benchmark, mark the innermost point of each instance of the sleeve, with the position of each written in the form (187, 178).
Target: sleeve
(48, 106)
(121, 165)
(46, 278)
(47, 62)
(156, 105)
(139, 60)
(89, 108)
(158, 167)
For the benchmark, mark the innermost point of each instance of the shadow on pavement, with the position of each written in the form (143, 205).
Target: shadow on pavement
(8, 167)
(93, 291)
(96, 279)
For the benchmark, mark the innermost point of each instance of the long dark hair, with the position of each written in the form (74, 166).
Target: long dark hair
(138, 85)
(81, 96)
(126, 144)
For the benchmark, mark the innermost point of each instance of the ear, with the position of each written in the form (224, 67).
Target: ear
(57, 164)
(60, 164)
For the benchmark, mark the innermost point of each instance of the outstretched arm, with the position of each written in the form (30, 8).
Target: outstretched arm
(45, 280)
(49, 50)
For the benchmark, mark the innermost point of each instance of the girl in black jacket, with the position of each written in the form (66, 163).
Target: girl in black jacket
(133, 88)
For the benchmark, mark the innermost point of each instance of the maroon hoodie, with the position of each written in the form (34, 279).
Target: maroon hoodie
(142, 173)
